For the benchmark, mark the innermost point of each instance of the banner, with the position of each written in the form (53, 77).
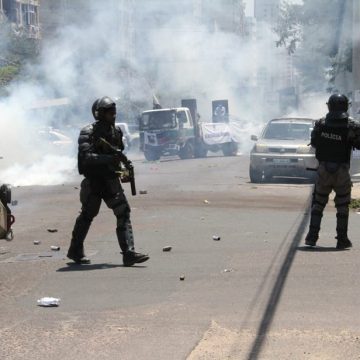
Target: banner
(215, 133)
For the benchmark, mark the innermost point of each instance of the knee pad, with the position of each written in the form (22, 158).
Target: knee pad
(122, 210)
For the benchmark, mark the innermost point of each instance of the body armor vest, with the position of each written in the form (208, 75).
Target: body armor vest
(93, 160)
(332, 143)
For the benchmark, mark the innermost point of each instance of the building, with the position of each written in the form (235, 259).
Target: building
(227, 15)
(24, 15)
(266, 10)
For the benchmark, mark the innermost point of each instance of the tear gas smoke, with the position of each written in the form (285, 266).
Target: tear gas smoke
(180, 56)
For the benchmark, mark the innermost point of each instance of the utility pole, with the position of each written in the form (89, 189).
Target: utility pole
(356, 58)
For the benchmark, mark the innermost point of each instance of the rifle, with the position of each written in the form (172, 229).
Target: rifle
(129, 174)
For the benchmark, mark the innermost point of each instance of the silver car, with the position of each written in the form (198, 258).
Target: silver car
(283, 150)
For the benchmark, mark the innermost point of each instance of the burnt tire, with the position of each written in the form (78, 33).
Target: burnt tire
(230, 149)
(187, 151)
(255, 175)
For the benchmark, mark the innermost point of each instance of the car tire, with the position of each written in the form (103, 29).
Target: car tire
(187, 151)
(152, 154)
(5, 194)
(200, 150)
(230, 149)
(255, 175)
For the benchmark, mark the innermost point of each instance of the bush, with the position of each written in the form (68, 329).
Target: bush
(7, 74)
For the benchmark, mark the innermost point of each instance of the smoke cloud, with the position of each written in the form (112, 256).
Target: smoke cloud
(176, 57)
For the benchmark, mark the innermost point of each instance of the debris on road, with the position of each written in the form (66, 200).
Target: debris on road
(228, 270)
(55, 248)
(167, 248)
(36, 242)
(216, 237)
(206, 202)
(52, 230)
(14, 202)
(48, 302)
(143, 192)
(182, 277)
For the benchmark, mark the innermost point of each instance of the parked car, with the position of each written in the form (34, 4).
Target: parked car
(283, 150)
(131, 140)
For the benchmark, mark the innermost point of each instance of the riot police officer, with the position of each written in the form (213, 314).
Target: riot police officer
(102, 182)
(333, 138)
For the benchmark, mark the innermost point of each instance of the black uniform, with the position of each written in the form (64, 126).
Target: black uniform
(333, 137)
(102, 183)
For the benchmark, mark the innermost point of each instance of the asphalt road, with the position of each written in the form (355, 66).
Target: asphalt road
(257, 293)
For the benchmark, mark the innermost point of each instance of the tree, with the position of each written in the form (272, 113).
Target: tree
(317, 33)
(16, 49)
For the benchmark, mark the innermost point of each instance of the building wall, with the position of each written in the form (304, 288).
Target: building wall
(24, 14)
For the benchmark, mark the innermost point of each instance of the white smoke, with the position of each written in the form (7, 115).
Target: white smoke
(50, 170)
(178, 57)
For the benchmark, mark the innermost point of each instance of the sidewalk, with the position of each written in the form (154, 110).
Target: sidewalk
(355, 191)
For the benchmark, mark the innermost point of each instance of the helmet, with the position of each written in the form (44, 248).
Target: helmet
(105, 103)
(94, 109)
(338, 105)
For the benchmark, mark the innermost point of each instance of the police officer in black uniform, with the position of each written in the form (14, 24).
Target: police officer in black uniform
(333, 138)
(102, 182)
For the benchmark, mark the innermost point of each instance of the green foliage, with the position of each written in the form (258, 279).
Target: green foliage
(354, 204)
(319, 33)
(16, 49)
(290, 27)
(7, 73)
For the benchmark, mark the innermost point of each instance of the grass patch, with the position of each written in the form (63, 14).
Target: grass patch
(354, 204)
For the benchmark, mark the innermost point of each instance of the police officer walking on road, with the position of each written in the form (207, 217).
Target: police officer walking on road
(333, 138)
(102, 183)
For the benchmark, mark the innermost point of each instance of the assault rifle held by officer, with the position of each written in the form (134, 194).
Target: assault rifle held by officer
(125, 176)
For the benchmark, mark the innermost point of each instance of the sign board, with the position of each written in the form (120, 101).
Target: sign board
(191, 105)
(220, 111)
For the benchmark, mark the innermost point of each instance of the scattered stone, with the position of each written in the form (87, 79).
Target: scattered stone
(227, 270)
(55, 247)
(216, 237)
(182, 277)
(36, 242)
(206, 202)
(14, 202)
(76, 188)
(52, 230)
(167, 248)
(143, 192)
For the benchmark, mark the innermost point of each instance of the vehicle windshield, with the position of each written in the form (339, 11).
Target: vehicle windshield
(158, 120)
(288, 131)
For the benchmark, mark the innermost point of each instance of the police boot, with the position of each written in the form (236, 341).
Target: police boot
(126, 242)
(76, 249)
(343, 241)
(314, 228)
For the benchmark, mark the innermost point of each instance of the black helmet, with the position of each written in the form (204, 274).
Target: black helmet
(338, 105)
(105, 103)
(94, 109)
